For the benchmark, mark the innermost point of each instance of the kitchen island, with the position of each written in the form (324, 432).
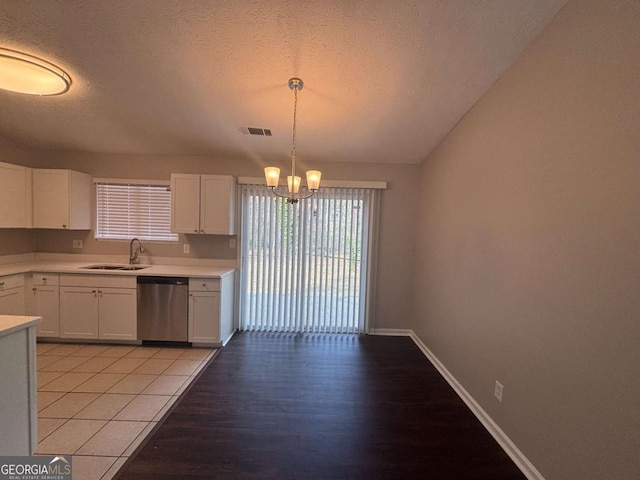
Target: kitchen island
(18, 407)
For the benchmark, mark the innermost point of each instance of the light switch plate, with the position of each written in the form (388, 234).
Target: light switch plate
(185, 248)
(77, 243)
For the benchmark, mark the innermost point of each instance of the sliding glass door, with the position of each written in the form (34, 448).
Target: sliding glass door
(305, 266)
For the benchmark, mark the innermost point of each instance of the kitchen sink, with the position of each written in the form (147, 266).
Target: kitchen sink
(113, 267)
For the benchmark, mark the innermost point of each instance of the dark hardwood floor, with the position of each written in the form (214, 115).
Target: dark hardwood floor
(284, 406)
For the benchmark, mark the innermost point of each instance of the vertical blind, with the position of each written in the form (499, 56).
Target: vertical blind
(125, 211)
(304, 266)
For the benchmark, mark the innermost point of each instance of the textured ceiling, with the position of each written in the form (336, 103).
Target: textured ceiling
(385, 80)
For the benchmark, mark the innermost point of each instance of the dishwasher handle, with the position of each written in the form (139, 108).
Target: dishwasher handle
(163, 280)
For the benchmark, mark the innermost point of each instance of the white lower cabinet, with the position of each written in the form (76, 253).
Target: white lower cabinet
(45, 303)
(78, 312)
(211, 310)
(104, 307)
(101, 307)
(204, 317)
(117, 314)
(12, 299)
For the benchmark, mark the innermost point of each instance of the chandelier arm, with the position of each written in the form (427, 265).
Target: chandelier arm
(277, 193)
(309, 195)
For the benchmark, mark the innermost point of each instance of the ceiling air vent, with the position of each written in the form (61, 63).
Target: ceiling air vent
(265, 132)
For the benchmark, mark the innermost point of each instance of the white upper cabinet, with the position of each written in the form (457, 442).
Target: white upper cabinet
(61, 199)
(185, 203)
(15, 196)
(217, 204)
(203, 204)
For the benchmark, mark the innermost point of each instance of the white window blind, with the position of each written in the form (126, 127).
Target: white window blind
(305, 266)
(125, 211)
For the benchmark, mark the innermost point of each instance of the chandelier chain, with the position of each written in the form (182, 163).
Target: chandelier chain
(293, 148)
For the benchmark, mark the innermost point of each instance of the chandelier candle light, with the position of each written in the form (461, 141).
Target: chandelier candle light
(272, 174)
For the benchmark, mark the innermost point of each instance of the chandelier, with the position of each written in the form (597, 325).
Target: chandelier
(272, 174)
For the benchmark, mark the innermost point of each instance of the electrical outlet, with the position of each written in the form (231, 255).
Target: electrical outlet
(77, 243)
(497, 392)
(185, 248)
(232, 243)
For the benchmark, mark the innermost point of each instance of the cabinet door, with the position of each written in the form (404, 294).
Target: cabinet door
(15, 196)
(117, 313)
(78, 312)
(204, 317)
(185, 203)
(12, 301)
(50, 198)
(46, 304)
(217, 204)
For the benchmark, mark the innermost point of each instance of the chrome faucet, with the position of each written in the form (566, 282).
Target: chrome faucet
(133, 255)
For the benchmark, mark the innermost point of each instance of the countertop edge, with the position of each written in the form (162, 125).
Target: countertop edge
(13, 323)
(75, 268)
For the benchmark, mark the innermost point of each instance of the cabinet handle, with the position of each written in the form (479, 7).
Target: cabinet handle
(44, 279)
(34, 289)
(64, 226)
(94, 291)
(201, 231)
(196, 230)
(1, 284)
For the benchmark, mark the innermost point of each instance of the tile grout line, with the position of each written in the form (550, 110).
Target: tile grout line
(172, 396)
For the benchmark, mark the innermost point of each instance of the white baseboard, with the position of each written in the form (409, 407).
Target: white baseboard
(521, 461)
(391, 332)
(224, 342)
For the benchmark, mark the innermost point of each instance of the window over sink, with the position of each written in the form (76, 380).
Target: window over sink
(133, 208)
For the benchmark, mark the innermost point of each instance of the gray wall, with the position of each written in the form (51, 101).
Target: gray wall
(528, 246)
(393, 300)
(15, 241)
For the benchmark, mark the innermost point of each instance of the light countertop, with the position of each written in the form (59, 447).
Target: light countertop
(13, 323)
(194, 271)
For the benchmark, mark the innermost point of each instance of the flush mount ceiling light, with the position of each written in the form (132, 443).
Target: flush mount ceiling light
(272, 174)
(24, 73)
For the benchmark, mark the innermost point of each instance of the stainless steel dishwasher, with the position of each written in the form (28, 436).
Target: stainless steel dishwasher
(163, 309)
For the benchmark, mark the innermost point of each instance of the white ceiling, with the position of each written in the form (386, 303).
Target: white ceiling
(385, 80)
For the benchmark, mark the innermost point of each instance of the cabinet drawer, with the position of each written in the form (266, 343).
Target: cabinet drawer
(11, 281)
(42, 279)
(204, 284)
(98, 281)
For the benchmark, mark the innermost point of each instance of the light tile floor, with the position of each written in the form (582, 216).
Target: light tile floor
(98, 402)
